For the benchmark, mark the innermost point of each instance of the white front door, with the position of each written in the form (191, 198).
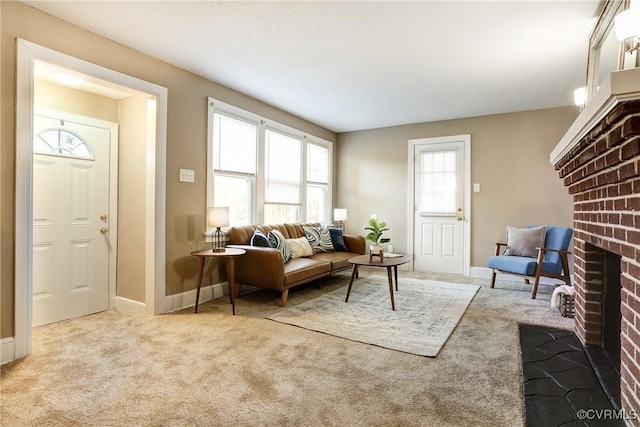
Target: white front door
(439, 209)
(70, 219)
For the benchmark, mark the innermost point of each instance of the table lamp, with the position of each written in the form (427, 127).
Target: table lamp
(340, 215)
(218, 217)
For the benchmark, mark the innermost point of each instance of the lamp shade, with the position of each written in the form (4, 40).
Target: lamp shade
(217, 216)
(580, 95)
(340, 214)
(627, 24)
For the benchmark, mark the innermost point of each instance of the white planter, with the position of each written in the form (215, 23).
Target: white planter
(375, 249)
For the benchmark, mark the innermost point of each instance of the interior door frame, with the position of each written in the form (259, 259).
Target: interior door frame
(27, 54)
(113, 184)
(411, 202)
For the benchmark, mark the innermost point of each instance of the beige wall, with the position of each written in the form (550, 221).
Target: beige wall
(132, 159)
(186, 136)
(509, 158)
(55, 97)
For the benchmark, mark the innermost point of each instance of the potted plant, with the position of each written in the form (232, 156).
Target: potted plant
(376, 228)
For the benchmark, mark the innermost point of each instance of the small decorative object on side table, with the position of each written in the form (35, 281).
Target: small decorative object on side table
(229, 254)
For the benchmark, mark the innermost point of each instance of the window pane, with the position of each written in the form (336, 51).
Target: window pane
(279, 214)
(317, 163)
(60, 142)
(234, 144)
(234, 192)
(316, 203)
(282, 168)
(439, 186)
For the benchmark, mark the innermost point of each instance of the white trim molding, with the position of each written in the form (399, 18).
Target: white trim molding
(7, 350)
(155, 283)
(618, 87)
(186, 299)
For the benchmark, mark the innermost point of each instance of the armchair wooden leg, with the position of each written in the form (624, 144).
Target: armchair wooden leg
(526, 281)
(535, 287)
(493, 278)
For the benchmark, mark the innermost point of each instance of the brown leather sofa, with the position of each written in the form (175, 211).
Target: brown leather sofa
(265, 268)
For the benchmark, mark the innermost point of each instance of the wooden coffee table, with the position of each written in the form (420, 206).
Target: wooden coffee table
(389, 263)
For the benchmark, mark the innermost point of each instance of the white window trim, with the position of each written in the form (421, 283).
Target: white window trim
(258, 192)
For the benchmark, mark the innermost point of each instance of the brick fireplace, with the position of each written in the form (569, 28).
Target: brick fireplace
(599, 161)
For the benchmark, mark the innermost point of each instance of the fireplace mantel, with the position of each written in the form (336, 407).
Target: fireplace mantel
(618, 87)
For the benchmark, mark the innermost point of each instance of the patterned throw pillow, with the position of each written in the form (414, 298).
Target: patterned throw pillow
(299, 247)
(319, 239)
(259, 239)
(278, 241)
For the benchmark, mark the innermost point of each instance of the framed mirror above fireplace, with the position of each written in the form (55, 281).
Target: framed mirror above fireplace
(606, 53)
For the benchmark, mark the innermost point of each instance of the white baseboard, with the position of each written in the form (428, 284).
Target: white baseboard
(130, 306)
(7, 350)
(186, 299)
(485, 273)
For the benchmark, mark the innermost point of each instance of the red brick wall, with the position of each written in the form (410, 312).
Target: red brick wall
(602, 172)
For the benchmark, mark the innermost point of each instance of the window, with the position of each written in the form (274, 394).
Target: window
(317, 183)
(234, 164)
(438, 195)
(267, 173)
(61, 142)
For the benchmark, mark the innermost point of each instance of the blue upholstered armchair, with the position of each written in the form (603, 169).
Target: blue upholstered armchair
(549, 258)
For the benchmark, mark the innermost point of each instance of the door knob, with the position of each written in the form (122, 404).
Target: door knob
(103, 217)
(104, 230)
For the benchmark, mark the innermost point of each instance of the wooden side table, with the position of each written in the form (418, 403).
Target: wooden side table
(229, 254)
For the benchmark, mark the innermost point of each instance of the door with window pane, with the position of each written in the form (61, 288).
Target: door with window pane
(438, 216)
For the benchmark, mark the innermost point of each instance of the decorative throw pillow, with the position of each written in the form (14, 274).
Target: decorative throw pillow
(278, 241)
(259, 239)
(319, 239)
(300, 247)
(338, 240)
(524, 241)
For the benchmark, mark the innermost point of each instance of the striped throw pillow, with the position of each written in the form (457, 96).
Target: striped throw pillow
(319, 239)
(278, 241)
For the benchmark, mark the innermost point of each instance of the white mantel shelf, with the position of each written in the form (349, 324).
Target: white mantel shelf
(620, 86)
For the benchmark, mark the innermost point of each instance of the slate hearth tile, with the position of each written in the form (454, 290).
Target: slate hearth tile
(530, 354)
(556, 364)
(575, 379)
(578, 358)
(588, 399)
(546, 411)
(557, 347)
(543, 386)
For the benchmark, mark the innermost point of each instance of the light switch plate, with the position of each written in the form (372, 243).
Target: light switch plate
(476, 188)
(187, 175)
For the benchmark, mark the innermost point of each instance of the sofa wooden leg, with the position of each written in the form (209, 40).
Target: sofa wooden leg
(527, 282)
(493, 278)
(285, 295)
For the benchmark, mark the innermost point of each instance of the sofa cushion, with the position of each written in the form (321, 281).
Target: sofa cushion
(260, 239)
(337, 239)
(302, 270)
(338, 260)
(278, 241)
(319, 239)
(300, 247)
(525, 241)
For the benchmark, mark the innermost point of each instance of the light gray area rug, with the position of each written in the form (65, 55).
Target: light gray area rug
(426, 313)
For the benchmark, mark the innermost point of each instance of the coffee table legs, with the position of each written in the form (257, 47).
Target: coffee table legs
(354, 273)
(231, 279)
(393, 305)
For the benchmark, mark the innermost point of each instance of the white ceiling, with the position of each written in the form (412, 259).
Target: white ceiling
(360, 65)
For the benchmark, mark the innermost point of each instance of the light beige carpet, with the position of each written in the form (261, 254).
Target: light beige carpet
(215, 369)
(426, 313)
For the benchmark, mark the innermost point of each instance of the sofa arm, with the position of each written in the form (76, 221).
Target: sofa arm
(261, 267)
(355, 243)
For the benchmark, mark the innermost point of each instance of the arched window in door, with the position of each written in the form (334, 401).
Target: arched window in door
(61, 142)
